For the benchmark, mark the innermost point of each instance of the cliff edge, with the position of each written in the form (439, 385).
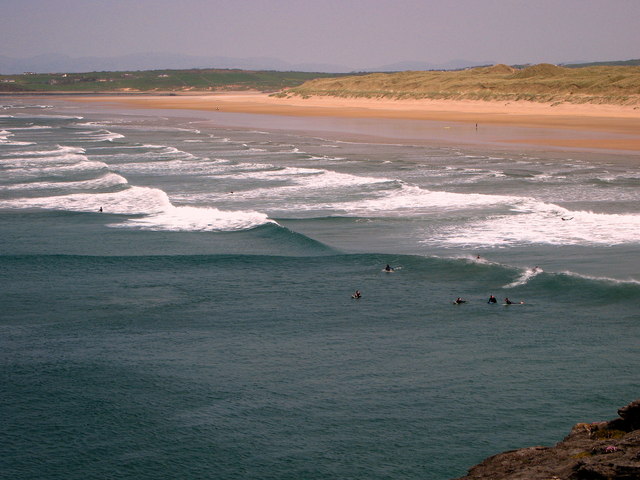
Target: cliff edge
(592, 451)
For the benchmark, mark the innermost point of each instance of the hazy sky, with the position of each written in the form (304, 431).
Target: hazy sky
(355, 33)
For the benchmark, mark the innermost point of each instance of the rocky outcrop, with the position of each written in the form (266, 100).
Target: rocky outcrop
(592, 451)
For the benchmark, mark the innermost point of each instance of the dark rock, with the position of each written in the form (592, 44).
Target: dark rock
(591, 451)
(631, 415)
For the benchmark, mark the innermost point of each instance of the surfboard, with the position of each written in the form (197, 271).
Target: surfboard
(514, 303)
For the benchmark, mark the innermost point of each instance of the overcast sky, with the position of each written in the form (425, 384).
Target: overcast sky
(356, 33)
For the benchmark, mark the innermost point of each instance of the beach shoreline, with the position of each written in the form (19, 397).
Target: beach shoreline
(565, 126)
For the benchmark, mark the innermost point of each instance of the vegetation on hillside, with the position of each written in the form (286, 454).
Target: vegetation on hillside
(606, 84)
(537, 83)
(196, 80)
(628, 63)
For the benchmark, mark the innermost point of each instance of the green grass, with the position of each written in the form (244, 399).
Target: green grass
(157, 80)
(537, 83)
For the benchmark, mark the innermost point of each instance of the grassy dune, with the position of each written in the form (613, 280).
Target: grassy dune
(618, 85)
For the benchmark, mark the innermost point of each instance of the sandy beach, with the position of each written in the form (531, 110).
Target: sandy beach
(592, 127)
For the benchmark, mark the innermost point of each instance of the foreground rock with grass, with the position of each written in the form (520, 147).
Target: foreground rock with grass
(592, 451)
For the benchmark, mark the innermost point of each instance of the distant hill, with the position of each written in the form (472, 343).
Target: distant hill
(415, 65)
(615, 63)
(538, 83)
(56, 63)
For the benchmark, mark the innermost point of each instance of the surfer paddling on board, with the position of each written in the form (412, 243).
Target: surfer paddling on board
(388, 268)
(509, 302)
(459, 301)
(357, 294)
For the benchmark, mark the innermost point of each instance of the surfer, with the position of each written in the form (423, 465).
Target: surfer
(357, 294)
(100, 210)
(459, 301)
(388, 268)
(507, 301)
(492, 299)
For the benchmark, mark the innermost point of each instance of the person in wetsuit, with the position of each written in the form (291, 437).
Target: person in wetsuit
(492, 299)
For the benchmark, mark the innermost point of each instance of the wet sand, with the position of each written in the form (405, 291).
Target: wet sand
(566, 126)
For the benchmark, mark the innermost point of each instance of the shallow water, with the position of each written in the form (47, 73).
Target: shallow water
(201, 326)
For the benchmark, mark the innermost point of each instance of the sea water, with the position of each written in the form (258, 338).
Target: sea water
(201, 325)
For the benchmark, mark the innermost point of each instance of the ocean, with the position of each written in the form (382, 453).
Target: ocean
(176, 296)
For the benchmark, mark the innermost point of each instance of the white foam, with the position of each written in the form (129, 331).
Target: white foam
(170, 167)
(105, 181)
(412, 200)
(60, 150)
(613, 281)
(42, 161)
(154, 204)
(329, 159)
(131, 201)
(61, 117)
(4, 139)
(32, 127)
(526, 275)
(195, 219)
(100, 135)
(258, 171)
(25, 106)
(534, 222)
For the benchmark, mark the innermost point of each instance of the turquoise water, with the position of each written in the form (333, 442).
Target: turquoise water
(190, 332)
